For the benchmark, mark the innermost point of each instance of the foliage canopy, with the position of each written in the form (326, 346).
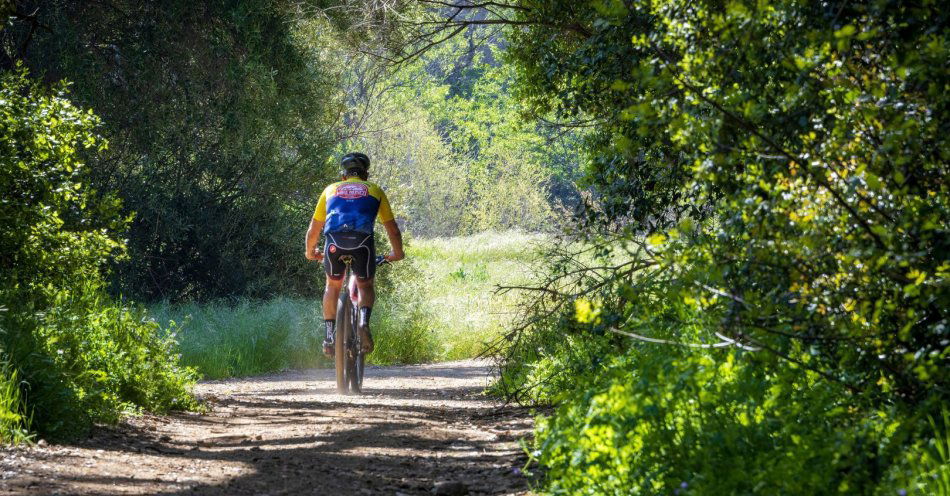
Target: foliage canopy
(765, 177)
(219, 116)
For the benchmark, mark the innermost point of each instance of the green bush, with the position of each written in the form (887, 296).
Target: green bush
(79, 356)
(755, 183)
(659, 421)
(680, 415)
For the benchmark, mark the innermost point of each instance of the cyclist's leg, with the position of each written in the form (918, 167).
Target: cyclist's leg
(330, 296)
(365, 270)
(334, 269)
(366, 298)
(364, 266)
(367, 294)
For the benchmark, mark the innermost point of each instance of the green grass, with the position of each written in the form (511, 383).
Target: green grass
(438, 304)
(456, 280)
(239, 338)
(13, 421)
(925, 467)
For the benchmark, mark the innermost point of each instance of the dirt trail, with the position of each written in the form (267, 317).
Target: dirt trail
(414, 427)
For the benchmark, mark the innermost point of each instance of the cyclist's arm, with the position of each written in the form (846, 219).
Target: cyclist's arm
(388, 220)
(316, 225)
(313, 237)
(395, 239)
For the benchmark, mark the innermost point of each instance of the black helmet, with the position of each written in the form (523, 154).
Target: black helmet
(355, 164)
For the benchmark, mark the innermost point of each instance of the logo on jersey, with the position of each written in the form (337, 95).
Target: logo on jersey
(332, 248)
(352, 191)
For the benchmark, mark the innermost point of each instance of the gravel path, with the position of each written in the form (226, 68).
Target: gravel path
(416, 430)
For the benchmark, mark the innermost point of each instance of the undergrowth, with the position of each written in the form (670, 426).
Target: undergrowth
(13, 419)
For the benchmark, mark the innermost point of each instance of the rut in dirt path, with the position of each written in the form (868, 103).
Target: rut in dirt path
(413, 428)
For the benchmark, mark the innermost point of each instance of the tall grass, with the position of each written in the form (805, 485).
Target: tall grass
(448, 291)
(925, 470)
(438, 304)
(245, 337)
(13, 420)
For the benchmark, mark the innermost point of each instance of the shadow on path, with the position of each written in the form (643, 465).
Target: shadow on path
(272, 437)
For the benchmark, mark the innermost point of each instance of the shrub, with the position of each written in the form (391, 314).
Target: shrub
(662, 421)
(757, 184)
(79, 356)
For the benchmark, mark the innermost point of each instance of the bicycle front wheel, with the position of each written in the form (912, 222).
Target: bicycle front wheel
(343, 331)
(354, 357)
(355, 372)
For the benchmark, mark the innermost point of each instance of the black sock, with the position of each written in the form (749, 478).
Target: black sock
(331, 327)
(365, 313)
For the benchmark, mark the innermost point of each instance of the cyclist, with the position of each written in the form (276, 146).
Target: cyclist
(346, 213)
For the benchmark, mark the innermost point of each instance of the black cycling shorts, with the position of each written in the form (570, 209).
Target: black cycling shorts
(359, 246)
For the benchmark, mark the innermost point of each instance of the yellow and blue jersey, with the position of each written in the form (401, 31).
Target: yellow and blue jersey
(352, 205)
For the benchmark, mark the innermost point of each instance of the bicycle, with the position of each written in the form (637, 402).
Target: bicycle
(348, 354)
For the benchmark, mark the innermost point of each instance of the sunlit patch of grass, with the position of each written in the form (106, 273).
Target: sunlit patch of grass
(13, 419)
(508, 246)
(246, 337)
(925, 470)
(456, 279)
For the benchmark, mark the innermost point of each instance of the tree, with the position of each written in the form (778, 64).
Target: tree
(767, 177)
(220, 118)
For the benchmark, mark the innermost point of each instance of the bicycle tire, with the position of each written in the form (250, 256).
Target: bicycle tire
(342, 325)
(354, 359)
(351, 375)
(356, 385)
